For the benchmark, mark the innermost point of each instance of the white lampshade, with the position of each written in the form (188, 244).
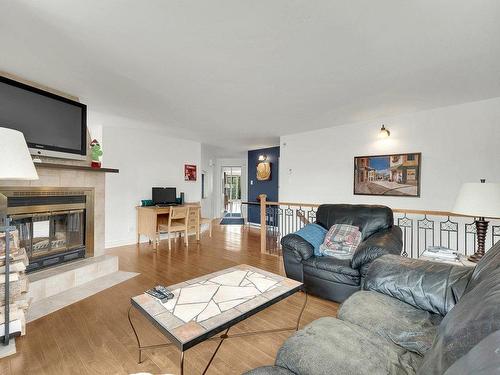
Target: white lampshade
(15, 158)
(479, 200)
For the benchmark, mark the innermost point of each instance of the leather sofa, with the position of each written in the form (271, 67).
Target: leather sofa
(336, 279)
(413, 317)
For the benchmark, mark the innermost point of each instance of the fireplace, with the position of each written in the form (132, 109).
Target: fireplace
(55, 224)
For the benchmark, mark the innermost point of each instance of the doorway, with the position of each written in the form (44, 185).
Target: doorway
(231, 188)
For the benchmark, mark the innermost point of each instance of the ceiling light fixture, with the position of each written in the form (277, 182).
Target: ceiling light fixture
(262, 157)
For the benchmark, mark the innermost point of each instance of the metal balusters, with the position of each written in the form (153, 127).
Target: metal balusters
(272, 231)
(300, 218)
(311, 215)
(495, 233)
(425, 228)
(420, 228)
(288, 228)
(448, 228)
(470, 231)
(406, 225)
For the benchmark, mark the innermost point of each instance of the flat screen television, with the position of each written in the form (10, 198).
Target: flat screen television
(52, 125)
(166, 195)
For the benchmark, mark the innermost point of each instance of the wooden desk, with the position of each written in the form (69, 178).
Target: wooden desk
(149, 218)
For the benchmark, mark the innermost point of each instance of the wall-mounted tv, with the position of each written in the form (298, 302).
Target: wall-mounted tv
(52, 125)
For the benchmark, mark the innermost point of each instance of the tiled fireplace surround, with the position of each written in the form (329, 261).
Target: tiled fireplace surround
(67, 178)
(51, 281)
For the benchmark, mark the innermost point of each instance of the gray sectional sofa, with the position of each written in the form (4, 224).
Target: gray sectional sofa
(412, 317)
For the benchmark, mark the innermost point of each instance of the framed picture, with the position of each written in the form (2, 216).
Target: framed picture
(389, 175)
(189, 172)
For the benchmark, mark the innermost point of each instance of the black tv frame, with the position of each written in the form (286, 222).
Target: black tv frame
(36, 146)
(163, 189)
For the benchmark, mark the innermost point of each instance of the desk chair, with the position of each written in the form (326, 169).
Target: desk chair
(196, 221)
(177, 222)
(204, 220)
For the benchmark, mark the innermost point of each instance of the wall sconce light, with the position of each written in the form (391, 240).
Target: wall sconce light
(384, 133)
(262, 157)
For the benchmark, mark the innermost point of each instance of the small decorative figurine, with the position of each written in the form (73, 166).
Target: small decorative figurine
(95, 153)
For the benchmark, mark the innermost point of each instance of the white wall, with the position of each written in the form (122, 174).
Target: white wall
(458, 144)
(146, 158)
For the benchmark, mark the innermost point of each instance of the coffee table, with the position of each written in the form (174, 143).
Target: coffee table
(207, 305)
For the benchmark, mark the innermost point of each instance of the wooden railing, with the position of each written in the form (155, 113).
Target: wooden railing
(421, 228)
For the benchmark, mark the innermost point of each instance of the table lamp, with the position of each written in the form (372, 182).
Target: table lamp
(15, 163)
(480, 200)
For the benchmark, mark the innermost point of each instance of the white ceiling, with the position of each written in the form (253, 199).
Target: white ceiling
(242, 73)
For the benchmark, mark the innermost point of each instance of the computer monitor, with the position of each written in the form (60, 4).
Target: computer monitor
(166, 195)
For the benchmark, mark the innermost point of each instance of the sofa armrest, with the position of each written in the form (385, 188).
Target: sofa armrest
(387, 241)
(431, 286)
(297, 246)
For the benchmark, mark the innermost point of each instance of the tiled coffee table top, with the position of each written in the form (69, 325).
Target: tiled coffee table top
(211, 303)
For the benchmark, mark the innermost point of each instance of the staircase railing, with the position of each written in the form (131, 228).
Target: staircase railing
(421, 228)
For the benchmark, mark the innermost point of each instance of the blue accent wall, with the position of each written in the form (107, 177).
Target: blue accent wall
(255, 187)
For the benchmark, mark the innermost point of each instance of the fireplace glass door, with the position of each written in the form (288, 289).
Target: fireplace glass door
(51, 233)
(40, 240)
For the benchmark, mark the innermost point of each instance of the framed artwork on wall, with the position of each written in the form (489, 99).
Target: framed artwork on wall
(189, 172)
(389, 175)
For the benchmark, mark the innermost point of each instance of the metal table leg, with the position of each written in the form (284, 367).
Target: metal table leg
(141, 348)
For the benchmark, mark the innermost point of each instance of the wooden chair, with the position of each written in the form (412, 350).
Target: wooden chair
(177, 222)
(196, 221)
(204, 220)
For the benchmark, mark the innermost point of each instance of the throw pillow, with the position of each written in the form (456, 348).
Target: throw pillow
(341, 241)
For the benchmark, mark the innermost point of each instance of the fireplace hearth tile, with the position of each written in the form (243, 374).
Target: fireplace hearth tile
(52, 281)
(86, 274)
(51, 304)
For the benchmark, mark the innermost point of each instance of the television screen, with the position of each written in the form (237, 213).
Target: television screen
(49, 122)
(164, 195)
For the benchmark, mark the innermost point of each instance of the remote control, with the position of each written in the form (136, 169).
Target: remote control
(159, 296)
(167, 293)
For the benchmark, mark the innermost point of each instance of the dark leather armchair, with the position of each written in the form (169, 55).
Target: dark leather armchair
(337, 279)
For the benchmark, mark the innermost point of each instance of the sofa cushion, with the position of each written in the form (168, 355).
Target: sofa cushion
(473, 318)
(399, 322)
(387, 241)
(483, 359)
(368, 218)
(332, 269)
(488, 264)
(421, 283)
(332, 346)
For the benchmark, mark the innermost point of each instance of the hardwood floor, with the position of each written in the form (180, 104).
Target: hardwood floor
(93, 336)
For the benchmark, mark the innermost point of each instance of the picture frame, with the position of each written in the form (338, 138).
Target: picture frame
(190, 172)
(395, 175)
